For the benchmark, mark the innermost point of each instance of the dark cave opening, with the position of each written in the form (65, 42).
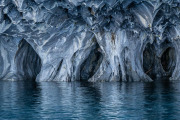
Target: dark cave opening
(159, 66)
(168, 60)
(27, 61)
(89, 67)
(149, 60)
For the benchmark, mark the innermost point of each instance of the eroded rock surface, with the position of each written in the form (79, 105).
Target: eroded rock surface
(89, 40)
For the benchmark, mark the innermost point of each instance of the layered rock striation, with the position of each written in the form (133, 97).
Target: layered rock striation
(89, 40)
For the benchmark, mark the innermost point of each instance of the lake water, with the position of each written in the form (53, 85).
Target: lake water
(77, 100)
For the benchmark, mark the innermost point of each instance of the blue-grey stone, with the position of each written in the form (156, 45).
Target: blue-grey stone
(91, 40)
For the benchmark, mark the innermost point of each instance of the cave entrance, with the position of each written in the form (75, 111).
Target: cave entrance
(89, 67)
(27, 61)
(168, 60)
(149, 60)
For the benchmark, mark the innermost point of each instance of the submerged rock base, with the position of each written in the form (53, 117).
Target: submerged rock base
(89, 40)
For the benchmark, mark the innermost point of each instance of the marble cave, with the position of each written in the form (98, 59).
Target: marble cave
(89, 40)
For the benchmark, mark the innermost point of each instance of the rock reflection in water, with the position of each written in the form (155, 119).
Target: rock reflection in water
(75, 100)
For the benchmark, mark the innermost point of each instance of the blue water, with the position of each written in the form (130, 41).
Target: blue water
(76, 100)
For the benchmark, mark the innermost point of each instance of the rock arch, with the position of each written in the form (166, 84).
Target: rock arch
(168, 60)
(91, 64)
(27, 61)
(148, 60)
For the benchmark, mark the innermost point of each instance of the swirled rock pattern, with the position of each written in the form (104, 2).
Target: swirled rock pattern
(89, 40)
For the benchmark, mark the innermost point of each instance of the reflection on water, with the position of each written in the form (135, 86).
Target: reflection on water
(79, 100)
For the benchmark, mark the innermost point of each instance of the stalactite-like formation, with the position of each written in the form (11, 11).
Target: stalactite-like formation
(89, 40)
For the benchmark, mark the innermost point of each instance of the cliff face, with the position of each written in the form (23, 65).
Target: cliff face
(95, 40)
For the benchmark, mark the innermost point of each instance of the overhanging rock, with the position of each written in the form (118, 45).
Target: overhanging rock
(89, 40)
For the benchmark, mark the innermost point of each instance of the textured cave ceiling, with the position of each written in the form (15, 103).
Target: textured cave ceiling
(94, 40)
